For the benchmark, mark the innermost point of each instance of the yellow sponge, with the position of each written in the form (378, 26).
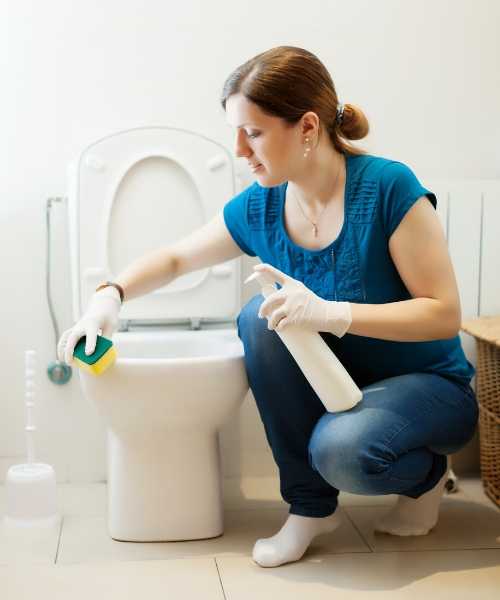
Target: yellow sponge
(96, 363)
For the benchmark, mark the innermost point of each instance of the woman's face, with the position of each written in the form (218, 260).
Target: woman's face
(264, 140)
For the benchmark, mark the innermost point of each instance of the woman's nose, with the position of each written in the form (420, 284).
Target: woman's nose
(241, 148)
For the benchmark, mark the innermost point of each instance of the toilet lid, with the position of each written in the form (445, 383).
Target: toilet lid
(140, 190)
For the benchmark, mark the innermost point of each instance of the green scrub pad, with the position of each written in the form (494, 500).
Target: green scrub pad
(96, 363)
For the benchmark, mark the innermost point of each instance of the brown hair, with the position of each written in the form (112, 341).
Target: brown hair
(287, 82)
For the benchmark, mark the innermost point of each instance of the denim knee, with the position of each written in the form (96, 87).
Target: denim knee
(330, 452)
(343, 458)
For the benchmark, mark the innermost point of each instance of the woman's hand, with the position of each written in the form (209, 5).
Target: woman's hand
(102, 314)
(296, 304)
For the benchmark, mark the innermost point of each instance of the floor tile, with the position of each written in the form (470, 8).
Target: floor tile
(474, 490)
(83, 499)
(461, 525)
(151, 580)
(28, 545)
(87, 539)
(433, 575)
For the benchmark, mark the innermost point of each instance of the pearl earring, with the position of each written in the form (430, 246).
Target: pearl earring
(307, 149)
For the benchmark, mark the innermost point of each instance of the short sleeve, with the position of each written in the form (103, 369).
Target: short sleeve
(236, 218)
(400, 189)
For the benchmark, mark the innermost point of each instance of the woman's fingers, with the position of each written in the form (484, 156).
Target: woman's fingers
(276, 274)
(276, 318)
(73, 340)
(90, 341)
(62, 345)
(270, 304)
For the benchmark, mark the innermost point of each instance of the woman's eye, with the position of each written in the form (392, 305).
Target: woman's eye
(253, 135)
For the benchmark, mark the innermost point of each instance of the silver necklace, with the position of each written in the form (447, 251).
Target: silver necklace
(315, 226)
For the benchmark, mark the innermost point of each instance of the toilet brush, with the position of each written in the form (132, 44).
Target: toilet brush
(31, 487)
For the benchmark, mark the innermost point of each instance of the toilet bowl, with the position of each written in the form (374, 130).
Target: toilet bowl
(179, 374)
(163, 402)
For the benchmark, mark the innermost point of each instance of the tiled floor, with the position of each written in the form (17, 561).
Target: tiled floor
(460, 558)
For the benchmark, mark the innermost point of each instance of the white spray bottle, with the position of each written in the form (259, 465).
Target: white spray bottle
(325, 373)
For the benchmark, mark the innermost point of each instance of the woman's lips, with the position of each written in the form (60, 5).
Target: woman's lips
(256, 168)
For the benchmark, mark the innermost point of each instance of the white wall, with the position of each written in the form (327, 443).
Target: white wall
(426, 74)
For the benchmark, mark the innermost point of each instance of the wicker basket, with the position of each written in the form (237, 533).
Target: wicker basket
(486, 331)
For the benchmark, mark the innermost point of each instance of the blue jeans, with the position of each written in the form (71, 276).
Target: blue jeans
(394, 441)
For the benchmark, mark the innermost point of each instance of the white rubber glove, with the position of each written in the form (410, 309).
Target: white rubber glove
(296, 304)
(102, 314)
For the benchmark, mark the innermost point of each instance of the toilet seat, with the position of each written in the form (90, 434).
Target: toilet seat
(143, 189)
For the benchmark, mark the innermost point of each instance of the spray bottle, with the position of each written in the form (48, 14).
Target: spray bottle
(323, 370)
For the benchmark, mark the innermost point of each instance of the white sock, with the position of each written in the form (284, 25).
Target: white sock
(293, 539)
(414, 516)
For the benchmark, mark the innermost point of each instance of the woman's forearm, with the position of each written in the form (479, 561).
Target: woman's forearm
(415, 320)
(147, 273)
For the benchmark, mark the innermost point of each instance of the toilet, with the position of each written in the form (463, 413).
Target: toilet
(179, 374)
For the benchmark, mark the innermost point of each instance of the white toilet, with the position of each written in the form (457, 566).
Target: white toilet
(180, 373)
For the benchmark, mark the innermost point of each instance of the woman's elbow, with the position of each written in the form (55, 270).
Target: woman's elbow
(451, 333)
(453, 322)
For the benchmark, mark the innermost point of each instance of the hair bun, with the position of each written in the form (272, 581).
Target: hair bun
(354, 124)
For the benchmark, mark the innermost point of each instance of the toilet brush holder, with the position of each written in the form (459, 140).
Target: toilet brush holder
(31, 494)
(31, 488)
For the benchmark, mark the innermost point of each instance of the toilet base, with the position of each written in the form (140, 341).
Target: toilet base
(164, 486)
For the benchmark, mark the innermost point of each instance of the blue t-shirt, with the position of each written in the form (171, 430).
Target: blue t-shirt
(356, 267)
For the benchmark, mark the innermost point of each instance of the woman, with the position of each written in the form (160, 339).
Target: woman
(366, 263)
(357, 248)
